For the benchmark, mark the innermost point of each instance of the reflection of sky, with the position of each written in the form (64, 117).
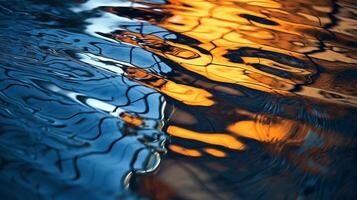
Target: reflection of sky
(92, 4)
(60, 122)
(106, 23)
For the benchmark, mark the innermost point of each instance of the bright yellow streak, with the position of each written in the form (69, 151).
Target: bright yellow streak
(220, 139)
(187, 94)
(132, 120)
(215, 152)
(184, 151)
(269, 132)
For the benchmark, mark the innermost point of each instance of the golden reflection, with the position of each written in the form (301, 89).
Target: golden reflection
(220, 139)
(274, 132)
(270, 130)
(257, 44)
(136, 121)
(218, 67)
(266, 45)
(266, 130)
(224, 27)
(187, 94)
(215, 152)
(184, 151)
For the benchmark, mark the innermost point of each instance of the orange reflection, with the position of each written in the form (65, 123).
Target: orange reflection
(266, 129)
(137, 121)
(220, 139)
(266, 45)
(273, 130)
(184, 93)
(219, 68)
(184, 151)
(257, 44)
(222, 28)
(215, 152)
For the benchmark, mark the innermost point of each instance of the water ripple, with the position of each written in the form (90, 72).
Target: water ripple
(254, 99)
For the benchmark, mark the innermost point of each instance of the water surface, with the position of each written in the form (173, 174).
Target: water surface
(178, 99)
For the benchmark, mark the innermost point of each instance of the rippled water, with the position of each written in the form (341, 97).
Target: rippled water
(178, 99)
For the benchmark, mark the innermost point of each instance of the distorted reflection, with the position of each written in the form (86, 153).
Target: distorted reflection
(256, 98)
